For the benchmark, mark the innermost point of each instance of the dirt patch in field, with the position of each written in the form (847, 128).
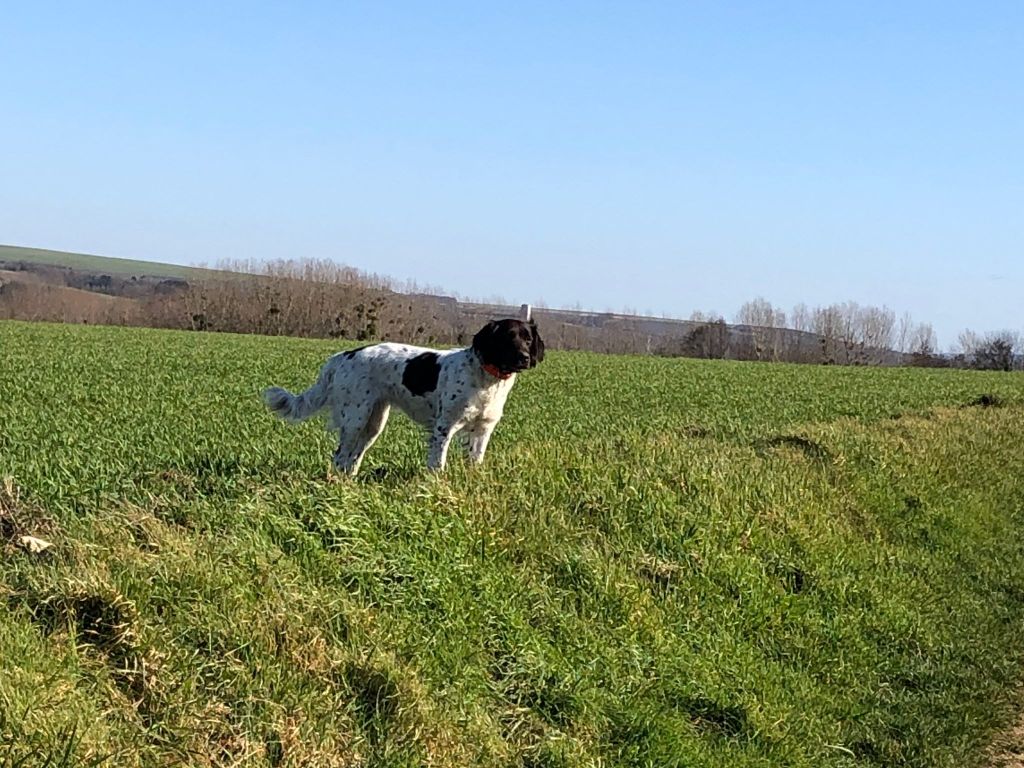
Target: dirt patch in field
(1008, 752)
(986, 401)
(810, 448)
(103, 621)
(1007, 749)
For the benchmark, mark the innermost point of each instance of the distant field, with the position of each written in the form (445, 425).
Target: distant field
(663, 562)
(95, 263)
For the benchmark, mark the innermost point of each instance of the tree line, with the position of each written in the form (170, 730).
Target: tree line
(319, 298)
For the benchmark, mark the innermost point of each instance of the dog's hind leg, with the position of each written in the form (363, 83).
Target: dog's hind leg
(374, 426)
(351, 447)
(356, 437)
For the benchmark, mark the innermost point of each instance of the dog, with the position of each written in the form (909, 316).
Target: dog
(447, 392)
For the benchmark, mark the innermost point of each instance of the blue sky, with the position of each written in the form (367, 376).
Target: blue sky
(661, 156)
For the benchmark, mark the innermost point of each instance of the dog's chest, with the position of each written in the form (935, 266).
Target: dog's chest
(485, 403)
(468, 396)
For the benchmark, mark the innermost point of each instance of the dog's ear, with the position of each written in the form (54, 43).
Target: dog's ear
(485, 342)
(536, 345)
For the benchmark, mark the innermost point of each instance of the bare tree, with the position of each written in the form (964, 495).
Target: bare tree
(849, 314)
(875, 328)
(923, 340)
(904, 333)
(968, 342)
(801, 318)
(760, 312)
(766, 324)
(827, 324)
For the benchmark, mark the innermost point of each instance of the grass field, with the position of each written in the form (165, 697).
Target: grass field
(92, 263)
(662, 563)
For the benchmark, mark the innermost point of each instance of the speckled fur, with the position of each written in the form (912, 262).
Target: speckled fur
(358, 388)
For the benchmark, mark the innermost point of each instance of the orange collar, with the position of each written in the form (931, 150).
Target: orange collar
(496, 372)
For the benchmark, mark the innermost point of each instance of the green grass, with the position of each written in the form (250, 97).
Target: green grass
(92, 263)
(662, 562)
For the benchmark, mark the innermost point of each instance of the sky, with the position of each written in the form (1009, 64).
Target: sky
(665, 157)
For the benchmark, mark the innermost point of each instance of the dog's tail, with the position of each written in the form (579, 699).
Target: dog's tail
(295, 408)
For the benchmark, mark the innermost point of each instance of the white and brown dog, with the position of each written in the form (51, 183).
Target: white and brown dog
(444, 391)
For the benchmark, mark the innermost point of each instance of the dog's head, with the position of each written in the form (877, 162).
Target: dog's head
(509, 345)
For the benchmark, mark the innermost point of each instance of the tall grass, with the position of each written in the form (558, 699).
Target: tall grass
(661, 563)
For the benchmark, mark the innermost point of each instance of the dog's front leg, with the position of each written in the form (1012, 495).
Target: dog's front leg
(440, 439)
(479, 437)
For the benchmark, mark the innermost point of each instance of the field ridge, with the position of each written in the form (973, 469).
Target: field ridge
(95, 263)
